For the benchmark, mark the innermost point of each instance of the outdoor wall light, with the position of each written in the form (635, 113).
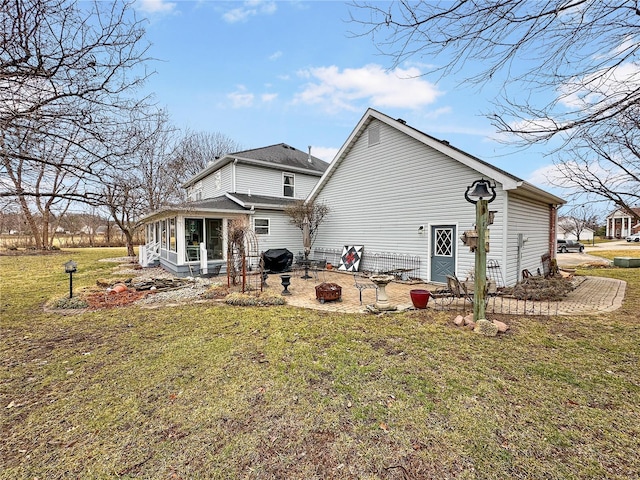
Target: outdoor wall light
(421, 229)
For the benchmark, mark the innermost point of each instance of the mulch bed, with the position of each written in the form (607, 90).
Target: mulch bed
(100, 300)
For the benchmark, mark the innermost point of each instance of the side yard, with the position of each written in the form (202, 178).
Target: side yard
(216, 391)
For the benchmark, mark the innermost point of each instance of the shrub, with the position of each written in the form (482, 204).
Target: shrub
(70, 303)
(216, 291)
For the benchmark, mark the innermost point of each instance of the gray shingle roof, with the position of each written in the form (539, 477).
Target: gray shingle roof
(284, 155)
(262, 201)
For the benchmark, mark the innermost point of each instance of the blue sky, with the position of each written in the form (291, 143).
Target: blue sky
(266, 72)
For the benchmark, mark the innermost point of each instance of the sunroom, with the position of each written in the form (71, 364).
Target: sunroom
(190, 241)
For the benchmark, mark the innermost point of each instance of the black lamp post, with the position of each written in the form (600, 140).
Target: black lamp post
(480, 192)
(70, 267)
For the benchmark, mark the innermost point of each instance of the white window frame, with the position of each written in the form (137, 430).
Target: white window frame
(286, 175)
(260, 229)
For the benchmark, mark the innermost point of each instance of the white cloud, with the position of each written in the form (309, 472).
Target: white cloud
(250, 9)
(547, 175)
(340, 90)
(438, 112)
(241, 98)
(275, 55)
(156, 6)
(324, 153)
(609, 86)
(268, 97)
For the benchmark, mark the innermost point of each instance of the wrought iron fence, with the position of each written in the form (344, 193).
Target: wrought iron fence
(401, 266)
(498, 304)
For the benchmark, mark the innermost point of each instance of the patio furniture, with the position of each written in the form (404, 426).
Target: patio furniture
(455, 289)
(318, 266)
(363, 283)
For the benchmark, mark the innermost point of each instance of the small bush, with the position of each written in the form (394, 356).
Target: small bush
(539, 288)
(216, 291)
(70, 303)
(244, 300)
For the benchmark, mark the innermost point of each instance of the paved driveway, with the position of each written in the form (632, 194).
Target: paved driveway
(571, 260)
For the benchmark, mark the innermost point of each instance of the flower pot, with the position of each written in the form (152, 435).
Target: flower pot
(329, 266)
(420, 298)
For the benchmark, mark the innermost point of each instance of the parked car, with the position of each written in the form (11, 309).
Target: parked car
(565, 246)
(634, 238)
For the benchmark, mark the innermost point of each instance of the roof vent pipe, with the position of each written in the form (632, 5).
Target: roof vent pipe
(309, 159)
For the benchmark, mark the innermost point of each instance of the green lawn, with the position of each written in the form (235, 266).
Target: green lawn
(215, 391)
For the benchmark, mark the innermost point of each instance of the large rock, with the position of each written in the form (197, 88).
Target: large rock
(502, 327)
(459, 320)
(486, 328)
(468, 319)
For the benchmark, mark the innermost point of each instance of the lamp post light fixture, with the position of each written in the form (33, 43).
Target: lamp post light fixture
(481, 192)
(70, 267)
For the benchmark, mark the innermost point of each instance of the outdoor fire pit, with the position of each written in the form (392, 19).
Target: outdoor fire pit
(326, 292)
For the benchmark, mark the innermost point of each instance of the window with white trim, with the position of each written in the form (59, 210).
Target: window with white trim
(194, 192)
(288, 185)
(261, 226)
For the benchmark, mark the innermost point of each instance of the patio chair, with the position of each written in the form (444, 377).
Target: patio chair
(362, 283)
(455, 289)
(318, 266)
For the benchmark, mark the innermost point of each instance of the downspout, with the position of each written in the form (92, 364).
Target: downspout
(553, 224)
(233, 175)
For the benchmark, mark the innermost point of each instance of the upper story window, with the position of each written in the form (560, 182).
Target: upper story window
(288, 184)
(194, 192)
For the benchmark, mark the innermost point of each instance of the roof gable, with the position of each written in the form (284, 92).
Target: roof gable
(508, 181)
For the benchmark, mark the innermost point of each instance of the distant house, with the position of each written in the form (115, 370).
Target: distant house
(620, 223)
(392, 188)
(586, 235)
(252, 187)
(567, 231)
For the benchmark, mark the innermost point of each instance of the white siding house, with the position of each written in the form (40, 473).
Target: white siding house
(252, 187)
(394, 189)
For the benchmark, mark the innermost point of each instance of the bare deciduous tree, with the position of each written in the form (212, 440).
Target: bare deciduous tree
(40, 187)
(124, 200)
(67, 70)
(578, 219)
(583, 50)
(314, 213)
(152, 157)
(605, 163)
(197, 149)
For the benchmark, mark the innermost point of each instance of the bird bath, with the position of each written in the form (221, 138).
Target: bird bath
(381, 282)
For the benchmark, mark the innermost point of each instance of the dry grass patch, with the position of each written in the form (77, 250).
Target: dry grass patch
(216, 391)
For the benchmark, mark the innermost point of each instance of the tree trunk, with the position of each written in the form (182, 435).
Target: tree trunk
(35, 233)
(129, 239)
